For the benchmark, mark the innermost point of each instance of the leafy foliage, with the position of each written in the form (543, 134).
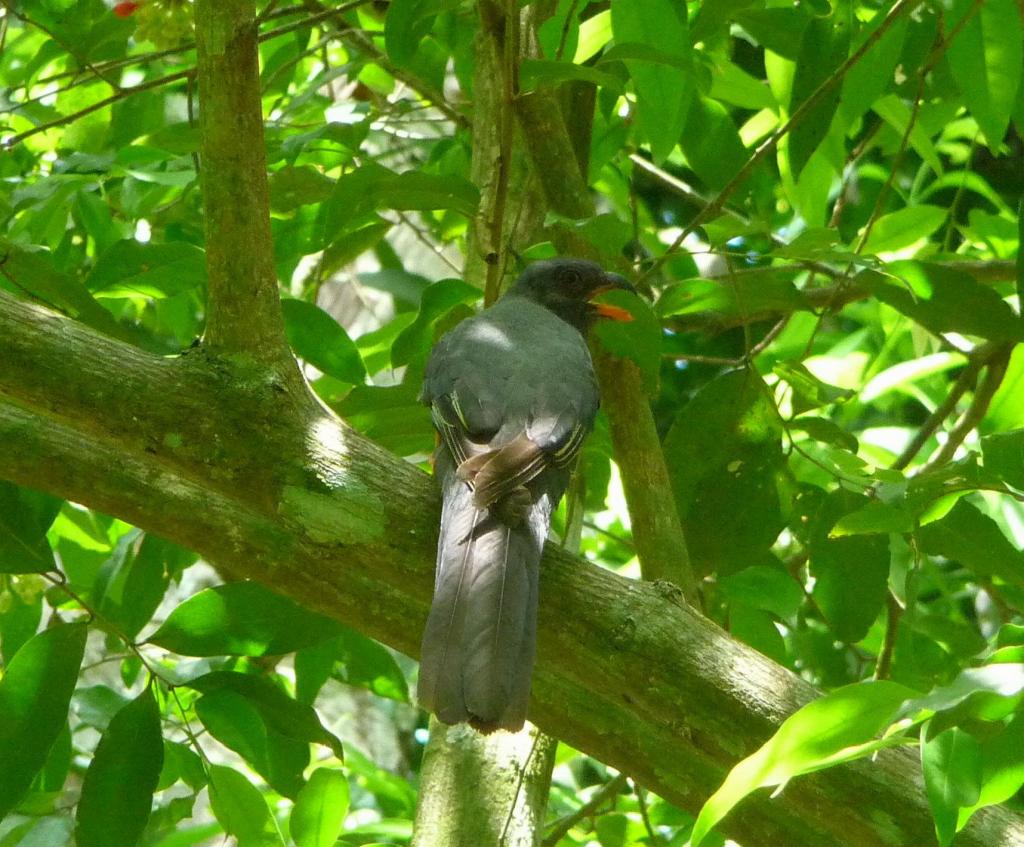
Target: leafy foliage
(833, 355)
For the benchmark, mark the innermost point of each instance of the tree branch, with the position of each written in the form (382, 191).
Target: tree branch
(268, 485)
(243, 310)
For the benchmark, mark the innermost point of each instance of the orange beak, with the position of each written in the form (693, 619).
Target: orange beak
(615, 313)
(607, 310)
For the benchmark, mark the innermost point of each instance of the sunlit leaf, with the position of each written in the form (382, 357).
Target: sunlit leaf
(976, 541)
(241, 809)
(663, 92)
(952, 776)
(824, 47)
(986, 59)
(34, 694)
(25, 516)
(944, 299)
(836, 728)
(320, 810)
(1004, 456)
(320, 340)
(902, 228)
(242, 619)
(117, 791)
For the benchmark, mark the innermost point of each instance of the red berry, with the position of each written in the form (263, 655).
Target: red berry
(126, 10)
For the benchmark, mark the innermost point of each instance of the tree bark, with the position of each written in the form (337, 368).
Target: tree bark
(478, 790)
(229, 461)
(244, 311)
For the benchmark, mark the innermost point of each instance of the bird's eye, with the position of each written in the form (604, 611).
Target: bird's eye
(572, 278)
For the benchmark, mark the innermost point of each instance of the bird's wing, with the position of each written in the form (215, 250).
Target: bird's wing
(510, 399)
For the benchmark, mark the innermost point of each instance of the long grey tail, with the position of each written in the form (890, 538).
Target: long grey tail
(479, 642)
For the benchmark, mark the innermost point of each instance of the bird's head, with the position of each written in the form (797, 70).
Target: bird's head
(568, 287)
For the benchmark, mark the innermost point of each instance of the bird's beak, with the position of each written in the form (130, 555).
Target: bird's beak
(613, 282)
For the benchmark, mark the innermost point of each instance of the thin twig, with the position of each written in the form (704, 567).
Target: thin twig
(855, 154)
(641, 801)
(892, 625)
(995, 369)
(745, 359)
(947, 241)
(561, 826)
(121, 94)
(965, 381)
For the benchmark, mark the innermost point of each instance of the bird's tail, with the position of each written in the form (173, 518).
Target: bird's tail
(479, 642)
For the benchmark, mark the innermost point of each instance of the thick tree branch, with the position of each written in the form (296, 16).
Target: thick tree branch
(243, 311)
(269, 486)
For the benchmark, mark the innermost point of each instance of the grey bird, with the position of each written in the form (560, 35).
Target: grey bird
(513, 395)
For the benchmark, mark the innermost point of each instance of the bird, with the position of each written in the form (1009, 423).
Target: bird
(512, 394)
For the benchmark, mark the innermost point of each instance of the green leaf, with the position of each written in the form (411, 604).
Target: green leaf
(638, 339)
(1006, 412)
(292, 187)
(739, 296)
(117, 791)
(875, 517)
(133, 581)
(36, 274)
(724, 454)
(1020, 253)
(779, 29)
(25, 516)
(370, 665)
(975, 540)
(951, 762)
(823, 48)
(280, 713)
(663, 92)
(904, 227)
(904, 375)
(351, 244)
(1004, 456)
(714, 17)
(406, 24)
(595, 33)
(438, 300)
(320, 340)
(19, 621)
(1002, 680)
(761, 587)
(414, 190)
(944, 299)
(319, 813)
(894, 112)
(809, 392)
(986, 59)
(871, 77)
(534, 73)
(241, 619)
(241, 809)
(1002, 768)
(152, 270)
(238, 724)
(825, 431)
(391, 415)
(851, 573)
(34, 695)
(711, 143)
(186, 763)
(838, 727)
